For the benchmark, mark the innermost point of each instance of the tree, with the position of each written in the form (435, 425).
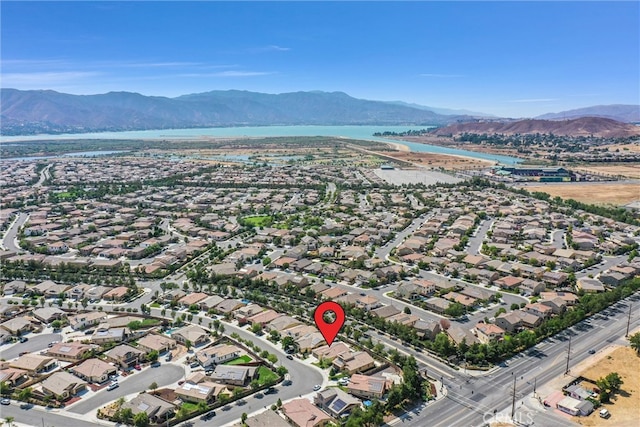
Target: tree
(635, 342)
(141, 419)
(25, 394)
(152, 356)
(243, 418)
(609, 385)
(188, 344)
(407, 310)
(56, 324)
(5, 388)
(9, 421)
(153, 386)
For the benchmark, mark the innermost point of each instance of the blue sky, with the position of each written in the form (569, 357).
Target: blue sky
(511, 59)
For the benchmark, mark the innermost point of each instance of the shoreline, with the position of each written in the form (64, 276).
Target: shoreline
(399, 147)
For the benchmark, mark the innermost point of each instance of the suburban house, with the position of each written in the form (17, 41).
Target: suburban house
(157, 410)
(217, 354)
(234, 375)
(192, 333)
(95, 370)
(204, 391)
(368, 387)
(487, 332)
(268, 418)
(303, 413)
(155, 342)
(34, 364)
(63, 385)
(84, 320)
(49, 314)
(70, 351)
(359, 361)
(17, 326)
(124, 355)
(590, 285)
(335, 402)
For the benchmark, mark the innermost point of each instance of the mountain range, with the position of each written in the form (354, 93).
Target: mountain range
(619, 112)
(583, 126)
(47, 111)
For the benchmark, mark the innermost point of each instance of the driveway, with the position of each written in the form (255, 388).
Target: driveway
(164, 375)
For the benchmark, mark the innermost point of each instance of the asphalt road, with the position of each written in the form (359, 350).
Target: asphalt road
(41, 417)
(557, 239)
(36, 343)
(164, 375)
(475, 242)
(9, 238)
(470, 398)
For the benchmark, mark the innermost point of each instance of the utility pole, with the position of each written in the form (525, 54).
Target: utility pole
(568, 354)
(628, 322)
(513, 401)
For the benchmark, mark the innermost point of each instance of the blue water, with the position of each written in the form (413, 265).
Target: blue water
(351, 132)
(76, 154)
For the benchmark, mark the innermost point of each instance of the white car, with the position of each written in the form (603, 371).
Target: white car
(112, 386)
(317, 387)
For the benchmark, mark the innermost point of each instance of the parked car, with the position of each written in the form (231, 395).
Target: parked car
(208, 416)
(26, 406)
(168, 357)
(137, 367)
(317, 387)
(155, 364)
(270, 390)
(5, 401)
(112, 386)
(89, 332)
(592, 351)
(604, 413)
(23, 339)
(290, 357)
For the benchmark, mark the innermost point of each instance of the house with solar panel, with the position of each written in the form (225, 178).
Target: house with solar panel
(335, 402)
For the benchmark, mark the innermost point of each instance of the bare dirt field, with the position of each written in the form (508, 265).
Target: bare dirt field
(437, 161)
(633, 147)
(628, 170)
(594, 193)
(625, 406)
(415, 176)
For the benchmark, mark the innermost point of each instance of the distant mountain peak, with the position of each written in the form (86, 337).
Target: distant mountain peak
(28, 112)
(620, 112)
(583, 126)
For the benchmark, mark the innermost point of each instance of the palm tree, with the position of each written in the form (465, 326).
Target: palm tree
(9, 421)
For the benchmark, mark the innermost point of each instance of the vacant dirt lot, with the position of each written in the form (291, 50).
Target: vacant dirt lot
(440, 160)
(625, 406)
(594, 193)
(628, 170)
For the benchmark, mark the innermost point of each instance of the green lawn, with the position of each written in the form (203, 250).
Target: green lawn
(190, 407)
(258, 221)
(265, 375)
(242, 359)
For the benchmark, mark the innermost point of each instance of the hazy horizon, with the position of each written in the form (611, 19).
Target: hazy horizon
(510, 59)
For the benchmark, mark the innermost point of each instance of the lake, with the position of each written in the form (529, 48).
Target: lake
(352, 132)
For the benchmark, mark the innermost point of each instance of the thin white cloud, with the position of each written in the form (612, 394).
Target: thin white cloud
(270, 48)
(531, 100)
(45, 78)
(230, 73)
(441, 76)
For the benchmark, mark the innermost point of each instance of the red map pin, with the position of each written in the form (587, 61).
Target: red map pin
(329, 330)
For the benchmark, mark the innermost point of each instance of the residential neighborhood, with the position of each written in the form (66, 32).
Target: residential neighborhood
(201, 280)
